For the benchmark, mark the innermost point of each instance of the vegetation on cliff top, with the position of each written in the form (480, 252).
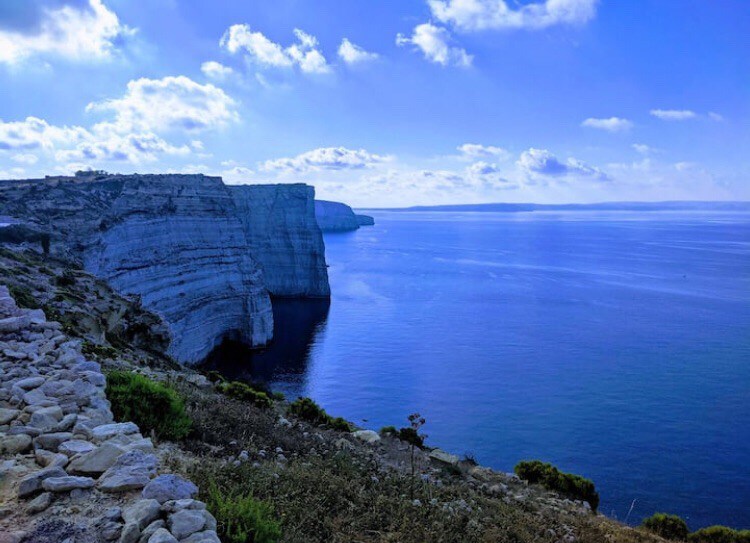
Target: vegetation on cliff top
(567, 484)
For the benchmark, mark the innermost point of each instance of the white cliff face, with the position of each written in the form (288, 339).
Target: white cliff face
(200, 254)
(177, 242)
(284, 237)
(338, 217)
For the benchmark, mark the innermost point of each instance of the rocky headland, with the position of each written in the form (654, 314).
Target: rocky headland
(338, 217)
(204, 256)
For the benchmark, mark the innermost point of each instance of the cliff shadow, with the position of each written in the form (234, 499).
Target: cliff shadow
(297, 324)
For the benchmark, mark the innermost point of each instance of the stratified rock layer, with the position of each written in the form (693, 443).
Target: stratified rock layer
(284, 237)
(202, 255)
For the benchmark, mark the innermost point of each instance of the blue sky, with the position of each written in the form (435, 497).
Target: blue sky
(382, 103)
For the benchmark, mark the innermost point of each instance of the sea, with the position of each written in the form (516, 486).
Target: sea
(613, 344)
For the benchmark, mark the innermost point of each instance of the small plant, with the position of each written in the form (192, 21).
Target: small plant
(572, 486)
(67, 279)
(411, 436)
(389, 431)
(242, 518)
(245, 393)
(307, 409)
(99, 351)
(416, 421)
(151, 405)
(667, 526)
(719, 534)
(23, 297)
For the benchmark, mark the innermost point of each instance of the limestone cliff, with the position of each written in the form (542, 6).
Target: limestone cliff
(284, 237)
(182, 244)
(338, 217)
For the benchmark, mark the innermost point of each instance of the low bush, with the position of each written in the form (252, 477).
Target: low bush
(719, 534)
(245, 393)
(569, 485)
(667, 526)
(388, 431)
(151, 405)
(99, 351)
(23, 297)
(307, 409)
(411, 436)
(241, 518)
(67, 279)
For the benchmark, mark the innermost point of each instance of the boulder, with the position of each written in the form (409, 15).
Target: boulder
(33, 483)
(104, 432)
(98, 460)
(67, 483)
(142, 513)
(368, 436)
(186, 522)
(133, 470)
(169, 487)
(15, 444)
(444, 457)
(162, 536)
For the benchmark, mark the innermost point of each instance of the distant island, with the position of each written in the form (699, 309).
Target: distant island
(602, 206)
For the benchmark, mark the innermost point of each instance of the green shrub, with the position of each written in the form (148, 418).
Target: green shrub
(307, 409)
(411, 436)
(245, 393)
(99, 351)
(151, 405)
(242, 518)
(388, 431)
(23, 297)
(67, 279)
(719, 534)
(215, 376)
(667, 526)
(569, 485)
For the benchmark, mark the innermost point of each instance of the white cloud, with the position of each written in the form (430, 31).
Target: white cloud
(673, 114)
(354, 54)
(74, 33)
(540, 162)
(35, 133)
(434, 41)
(108, 146)
(472, 151)
(473, 15)
(325, 158)
(216, 70)
(172, 103)
(25, 158)
(266, 53)
(715, 117)
(643, 149)
(612, 124)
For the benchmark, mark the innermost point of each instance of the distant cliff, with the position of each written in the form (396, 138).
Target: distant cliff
(203, 255)
(338, 217)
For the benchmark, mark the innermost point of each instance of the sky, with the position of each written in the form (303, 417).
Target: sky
(388, 102)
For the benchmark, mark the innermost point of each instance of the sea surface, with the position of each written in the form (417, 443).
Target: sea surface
(615, 345)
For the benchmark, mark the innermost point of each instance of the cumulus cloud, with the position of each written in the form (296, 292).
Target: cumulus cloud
(325, 158)
(434, 42)
(170, 103)
(472, 151)
(673, 114)
(25, 158)
(216, 70)
(473, 15)
(106, 146)
(78, 33)
(643, 149)
(612, 124)
(266, 53)
(540, 162)
(35, 133)
(354, 54)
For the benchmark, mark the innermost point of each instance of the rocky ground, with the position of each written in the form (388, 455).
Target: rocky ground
(70, 473)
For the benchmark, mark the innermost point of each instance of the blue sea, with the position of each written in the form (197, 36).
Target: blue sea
(615, 345)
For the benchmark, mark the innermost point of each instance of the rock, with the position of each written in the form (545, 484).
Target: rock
(169, 487)
(368, 436)
(46, 418)
(133, 470)
(30, 383)
(76, 446)
(39, 504)
(130, 533)
(173, 506)
(49, 459)
(208, 536)
(67, 483)
(186, 522)
(13, 324)
(7, 415)
(110, 530)
(444, 457)
(150, 530)
(162, 536)
(98, 460)
(33, 483)
(15, 444)
(142, 513)
(51, 442)
(106, 431)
